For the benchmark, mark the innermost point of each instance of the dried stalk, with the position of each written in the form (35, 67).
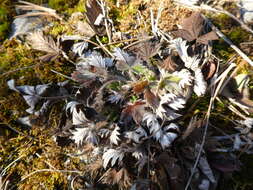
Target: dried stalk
(42, 11)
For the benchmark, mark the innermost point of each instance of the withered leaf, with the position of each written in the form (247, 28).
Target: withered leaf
(44, 43)
(93, 14)
(134, 111)
(209, 69)
(204, 39)
(169, 64)
(139, 87)
(36, 10)
(84, 29)
(121, 177)
(192, 28)
(151, 98)
(146, 49)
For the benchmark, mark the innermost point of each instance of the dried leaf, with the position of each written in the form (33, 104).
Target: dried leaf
(138, 87)
(37, 10)
(146, 49)
(151, 98)
(134, 111)
(169, 64)
(192, 27)
(209, 69)
(84, 29)
(121, 177)
(204, 39)
(44, 43)
(95, 17)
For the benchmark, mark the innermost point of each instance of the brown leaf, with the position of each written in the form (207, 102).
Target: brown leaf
(84, 29)
(204, 39)
(209, 69)
(182, 33)
(112, 177)
(193, 24)
(93, 11)
(94, 167)
(169, 64)
(40, 42)
(192, 27)
(139, 87)
(134, 111)
(146, 49)
(151, 98)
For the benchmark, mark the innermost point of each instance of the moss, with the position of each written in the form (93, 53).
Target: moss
(5, 14)
(231, 29)
(63, 7)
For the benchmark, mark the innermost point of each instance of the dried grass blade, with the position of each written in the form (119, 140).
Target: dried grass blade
(42, 11)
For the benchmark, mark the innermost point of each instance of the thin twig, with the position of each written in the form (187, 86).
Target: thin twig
(105, 13)
(139, 41)
(18, 69)
(13, 162)
(201, 145)
(56, 72)
(207, 117)
(104, 48)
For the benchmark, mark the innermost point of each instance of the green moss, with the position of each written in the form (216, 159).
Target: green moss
(5, 11)
(238, 35)
(63, 6)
